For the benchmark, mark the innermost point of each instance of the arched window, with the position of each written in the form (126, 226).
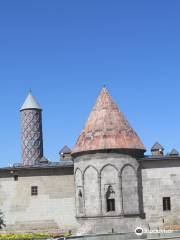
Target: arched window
(110, 199)
(110, 190)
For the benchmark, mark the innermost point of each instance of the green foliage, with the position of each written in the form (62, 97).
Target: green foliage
(31, 236)
(23, 236)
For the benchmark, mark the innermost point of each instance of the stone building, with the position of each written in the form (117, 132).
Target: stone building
(105, 184)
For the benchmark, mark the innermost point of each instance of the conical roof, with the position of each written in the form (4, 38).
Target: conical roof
(157, 146)
(65, 149)
(174, 152)
(30, 103)
(107, 128)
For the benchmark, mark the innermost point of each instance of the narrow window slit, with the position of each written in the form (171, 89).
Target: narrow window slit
(166, 203)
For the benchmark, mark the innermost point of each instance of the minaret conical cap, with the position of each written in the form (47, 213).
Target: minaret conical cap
(30, 103)
(107, 128)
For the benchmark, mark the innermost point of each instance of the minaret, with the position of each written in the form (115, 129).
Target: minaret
(31, 131)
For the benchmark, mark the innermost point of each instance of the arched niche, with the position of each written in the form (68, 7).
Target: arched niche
(129, 190)
(91, 191)
(79, 193)
(78, 177)
(110, 190)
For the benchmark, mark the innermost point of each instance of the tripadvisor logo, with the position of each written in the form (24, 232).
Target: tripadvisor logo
(139, 231)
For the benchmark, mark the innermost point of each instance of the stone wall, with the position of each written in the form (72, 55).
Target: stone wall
(52, 208)
(95, 175)
(161, 182)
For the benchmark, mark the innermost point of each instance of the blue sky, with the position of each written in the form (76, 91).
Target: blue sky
(66, 50)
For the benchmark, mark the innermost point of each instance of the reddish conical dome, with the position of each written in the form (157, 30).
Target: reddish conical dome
(107, 128)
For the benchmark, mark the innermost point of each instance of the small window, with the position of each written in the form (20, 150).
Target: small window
(34, 190)
(110, 199)
(15, 177)
(166, 203)
(80, 197)
(110, 205)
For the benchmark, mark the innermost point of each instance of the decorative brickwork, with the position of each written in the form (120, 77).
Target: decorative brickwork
(32, 142)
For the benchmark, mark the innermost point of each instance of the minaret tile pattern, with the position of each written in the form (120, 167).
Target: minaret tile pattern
(107, 128)
(31, 131)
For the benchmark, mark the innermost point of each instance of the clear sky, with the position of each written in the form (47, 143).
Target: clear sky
(65, 50)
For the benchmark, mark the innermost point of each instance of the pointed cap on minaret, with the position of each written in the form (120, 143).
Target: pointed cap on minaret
(30, 103)
(107, 128)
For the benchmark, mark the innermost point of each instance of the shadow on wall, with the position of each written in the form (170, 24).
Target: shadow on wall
(2, 223)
